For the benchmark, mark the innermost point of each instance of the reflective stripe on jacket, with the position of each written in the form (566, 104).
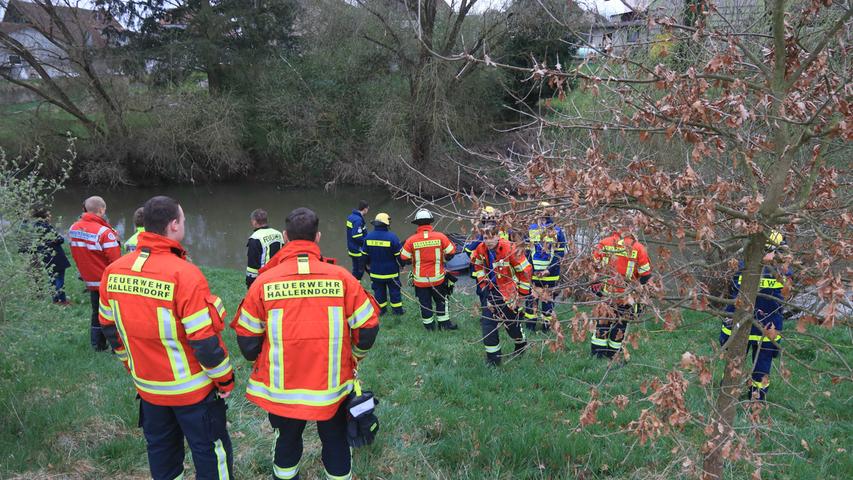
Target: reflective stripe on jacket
(130, 244)
(625, 259)
(546, 248)
(382, 251)
(94, 245)
(502, 268)
(355, 233)
(427, 249)
(159, 303)
(308, 314)
(768, 311)
(261, 246)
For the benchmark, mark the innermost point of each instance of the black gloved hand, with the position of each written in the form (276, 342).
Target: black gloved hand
(362, 423)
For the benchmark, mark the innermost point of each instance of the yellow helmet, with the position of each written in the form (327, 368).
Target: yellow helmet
(382, 218)
(774, 240)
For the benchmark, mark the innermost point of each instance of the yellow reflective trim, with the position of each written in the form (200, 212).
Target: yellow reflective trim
(303, 289)
(765, 282)
(378, 243)
(727, 331)
(250, 323)
(145, 287)
(358, 235)
(384, 276)
(550, 278)
(140, 261)
(437, 262)
(493, 348)
(761, 338)
(220, 370)
(349, 224)
(176, 387)
(405, 254)
(303, 267)
(329, 476)
(521, 266)
(629, 271)
(449, 248)
(252, 270)
(105, 311)
(197, 321)
(354, 254)
(599, 342)
(275, 337)
(644, 268)
(284, 473)
(361, 315)
(221, 460)
(316, 398)
(121, 333)
(427, 244)
(168, 329)
(336, 344)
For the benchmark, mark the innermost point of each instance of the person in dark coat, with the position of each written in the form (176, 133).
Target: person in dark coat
(48, 248)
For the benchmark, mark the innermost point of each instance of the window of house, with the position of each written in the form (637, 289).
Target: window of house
(633, 35)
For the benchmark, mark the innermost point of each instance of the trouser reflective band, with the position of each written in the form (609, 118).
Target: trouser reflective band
(221, 460)
(427, 321)
(329, 476)
(396, 305)
(443, 318)
(529, 315)
(493, 348)
(599, 342)
(764, 384)
(614, 345)
(759, 338)
(383, 304)
(285, 473)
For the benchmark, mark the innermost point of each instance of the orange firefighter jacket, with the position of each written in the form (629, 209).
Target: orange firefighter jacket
(427, 249)
(625, 259)
(307, 314)
(163, 311)
(503, 268)
(94, 245)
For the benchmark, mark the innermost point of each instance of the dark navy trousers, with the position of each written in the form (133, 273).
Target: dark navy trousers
(204, 427)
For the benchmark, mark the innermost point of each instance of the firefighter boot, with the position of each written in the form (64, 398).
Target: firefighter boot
(493, 359)
(447, 325)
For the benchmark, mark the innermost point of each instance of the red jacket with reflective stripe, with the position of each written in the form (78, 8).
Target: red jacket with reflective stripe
(510, 268)
(308, 313)
(158, 305)
(94, 245)
(626, 260)
(427, 249)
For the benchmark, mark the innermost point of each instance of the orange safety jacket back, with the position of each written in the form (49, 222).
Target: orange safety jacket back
(427, 249)
(626, 260)
(309, 313)
(159, 302)
(503, 268)
(94, 245)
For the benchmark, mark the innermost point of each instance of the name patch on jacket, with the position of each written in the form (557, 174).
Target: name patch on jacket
(427, 243)
(144, 287)
(303, 289)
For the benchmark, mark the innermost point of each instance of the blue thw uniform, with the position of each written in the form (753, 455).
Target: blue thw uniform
(381, 252)
(768, 312)
(546, 247)
(355, 240)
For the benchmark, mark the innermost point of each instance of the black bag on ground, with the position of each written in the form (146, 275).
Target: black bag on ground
(362, 424)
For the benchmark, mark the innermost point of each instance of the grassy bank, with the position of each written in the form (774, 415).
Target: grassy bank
(66, 412)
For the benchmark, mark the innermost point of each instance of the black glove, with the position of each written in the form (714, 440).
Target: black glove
(362, 424)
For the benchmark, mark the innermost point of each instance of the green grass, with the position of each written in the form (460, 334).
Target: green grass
(68, 412)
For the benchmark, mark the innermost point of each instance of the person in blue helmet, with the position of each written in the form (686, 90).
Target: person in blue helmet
(768, 313)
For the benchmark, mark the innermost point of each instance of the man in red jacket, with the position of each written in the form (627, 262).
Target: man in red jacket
(503, 275)
(164, 324)
(305, 322)
(94, 245)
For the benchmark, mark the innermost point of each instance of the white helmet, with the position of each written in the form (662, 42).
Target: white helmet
(423, 216)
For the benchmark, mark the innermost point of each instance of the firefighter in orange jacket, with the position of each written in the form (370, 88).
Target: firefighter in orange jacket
(623, 260)
(164, 324)
(427, 250)
(305, 323)
(503, 275)
(94, 245)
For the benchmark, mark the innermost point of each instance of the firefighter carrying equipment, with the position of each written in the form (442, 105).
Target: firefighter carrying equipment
(94, 245)
(362, 423)
(264, 243)
(304, 369)
(164, 324)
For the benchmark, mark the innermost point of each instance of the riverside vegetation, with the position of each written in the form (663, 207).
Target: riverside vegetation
(70, 413)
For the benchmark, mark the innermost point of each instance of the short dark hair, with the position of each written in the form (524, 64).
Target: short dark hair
(362, 204)
(260, 216)
(158, 212)
(302, 224)
(139, 217)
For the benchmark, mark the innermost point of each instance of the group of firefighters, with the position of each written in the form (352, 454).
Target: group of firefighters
(306, 322)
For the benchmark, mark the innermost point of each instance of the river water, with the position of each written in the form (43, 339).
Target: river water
(217, 216)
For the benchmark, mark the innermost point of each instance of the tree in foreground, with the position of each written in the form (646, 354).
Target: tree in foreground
(716, 130)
